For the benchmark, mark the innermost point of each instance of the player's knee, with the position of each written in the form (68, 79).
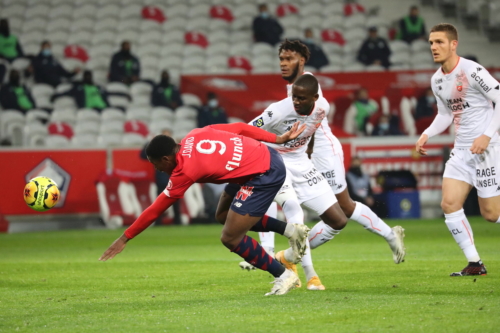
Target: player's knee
(347, 207)
(449, 206)
(221, 217)
(229, 241)
(490, 215)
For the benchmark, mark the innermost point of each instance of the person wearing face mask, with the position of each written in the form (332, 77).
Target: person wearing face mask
(358, 185)
(266, 29)
(124, 67)
(387, 125)
(318, 58)
(165, 93)
(426, 105)
(87, 94)
(47, 69)
(411, 27)
(374, 50)
(211, 113)
(10, 49)
(14, 95)
(359, 112)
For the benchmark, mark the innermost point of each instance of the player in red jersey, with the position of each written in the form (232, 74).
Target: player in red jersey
(221, 154)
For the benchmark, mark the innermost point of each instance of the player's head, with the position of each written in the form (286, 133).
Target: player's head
(293, 56)
(161, 152)
(305, 94)
(443, 39)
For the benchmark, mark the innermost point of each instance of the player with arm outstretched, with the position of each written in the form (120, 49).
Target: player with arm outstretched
(464, 92)
(228, 154)
(304, 184)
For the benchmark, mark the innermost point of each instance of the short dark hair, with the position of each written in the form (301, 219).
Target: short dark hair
(309, 82)
(297, 46)
(160, 146)
(449, 29)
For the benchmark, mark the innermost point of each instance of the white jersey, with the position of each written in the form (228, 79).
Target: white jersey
(279, 117)
(466, 93)
(324, 138)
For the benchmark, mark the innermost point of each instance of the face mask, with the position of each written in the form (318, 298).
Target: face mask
(213, 103)
(356, 170)
(14, 81)
(383, 126)
(431, 100)
(46, 52)
(264, 15)
(310, 40)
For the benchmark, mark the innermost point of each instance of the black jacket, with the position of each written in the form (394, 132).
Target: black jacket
(118, 71)
(9, 100)
(48, 70)
(267, 30)
(374, 49)
(158, 97)
(318, 58)
(211, 116)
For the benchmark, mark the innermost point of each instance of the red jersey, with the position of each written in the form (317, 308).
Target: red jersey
(214, 155)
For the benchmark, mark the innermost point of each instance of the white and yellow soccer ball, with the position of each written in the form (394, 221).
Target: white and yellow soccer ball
(41, 194)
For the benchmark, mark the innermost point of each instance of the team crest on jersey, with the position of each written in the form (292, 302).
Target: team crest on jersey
(459, 86)
(168, 188)
(258, 122)
(244, 193)
(319, 115)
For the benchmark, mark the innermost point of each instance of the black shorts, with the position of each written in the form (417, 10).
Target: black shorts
(255, 196)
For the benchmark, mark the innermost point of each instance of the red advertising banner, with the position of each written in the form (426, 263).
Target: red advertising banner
(74, 171)
(246, 96)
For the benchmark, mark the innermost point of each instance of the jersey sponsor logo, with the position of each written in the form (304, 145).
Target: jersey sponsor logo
(244, 193)
(481, 83)
(258, 122)
(479, 69)
(237, 154)
(440, 88)
(187, 148)
(459, 86)
(313, 177)
(293, 121)
(487, 172)
(497, 87)
(319, 115)
(238, 204)
(270, 114)
(457, 104)
(438, 81)
(295, 143)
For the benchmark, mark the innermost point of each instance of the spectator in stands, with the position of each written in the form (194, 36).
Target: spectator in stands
(47, 69)
(10, 48)
(318, 58)
(375, 50)
(387, 125)
(211, 113)
(124, 67)
(359, 112)
(412, 27)
(14, 95)
(426, 105)
(3, 71)
(165, 93)
(266, 28)
(88, 95)
(358, 185)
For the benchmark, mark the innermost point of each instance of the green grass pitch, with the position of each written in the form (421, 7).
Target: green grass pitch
(181, 279)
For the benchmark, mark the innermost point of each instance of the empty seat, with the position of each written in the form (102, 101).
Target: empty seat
(186, 112)
(84, 140)
(138, 113)
(111, 126)
(190, 99)
(133, 139)
(88, 115)
(56, 141)
(110, 139)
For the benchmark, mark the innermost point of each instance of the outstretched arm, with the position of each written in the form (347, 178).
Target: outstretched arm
(147, 217)
(260, 134)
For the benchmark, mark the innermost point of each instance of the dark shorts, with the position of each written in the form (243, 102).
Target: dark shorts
(255, 196)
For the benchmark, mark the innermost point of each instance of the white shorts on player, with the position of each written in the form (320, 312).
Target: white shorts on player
(331, 166)
(479, 170)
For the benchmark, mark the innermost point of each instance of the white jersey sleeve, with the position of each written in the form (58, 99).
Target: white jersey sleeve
(443, 119)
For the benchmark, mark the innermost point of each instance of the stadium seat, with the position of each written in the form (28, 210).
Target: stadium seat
(331, 69)
(245, 10)
(15, 9)
(76, 52)
(177, 10)
(237, 71)
(130, 11)
(355, 67)
(240, 37)
(112, 114)
(58, 25)
(198, 10)
(196, 38)
(21, 64)
(85, 24)
(84, 140)
(118, 101)
(140, 89)
(151, 37)
(37, 116)
(240, 49)
(220, 12)
(86, 127)
(218, 49)
(40, 10)
(80, 38)
(311, 9)
(88, 115)
(153, 13)
(169, 62)
(112, 126)
(56, 141)
(103, 37)
(218, 36)
(87, 10)
(263, 60)
(12, 126)
(156, 127)
(219, 61)
(399, 46)
(399, 58)
(61, 12)
(262, 48)
(133, 139)
(105, 23)
(311, 21)
(99, 63)
(110, 139)
(232, 120)
(64, 103)
(190, 100)
(138, 113)
(173, 24)
(335, 8)
(148, 25)
(193, 62)
(242, 23)
(197, 24)
(60, 128)
(162, 113)
(286, 9)
(355, 21)
(35, 134)
(117, 87)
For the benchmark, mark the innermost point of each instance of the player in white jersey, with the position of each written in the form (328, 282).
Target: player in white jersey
(464, 91)
(328, 157)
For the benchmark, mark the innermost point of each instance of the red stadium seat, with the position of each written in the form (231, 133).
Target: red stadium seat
(239, 62)
(222, 13)
(76, 52)
(353, 8)
(61, 128)
(332, 36)
(136, 126)
(153, 13)
(196, 38)
(286, 9)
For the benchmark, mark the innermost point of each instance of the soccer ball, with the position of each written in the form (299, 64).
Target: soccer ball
(41, 194)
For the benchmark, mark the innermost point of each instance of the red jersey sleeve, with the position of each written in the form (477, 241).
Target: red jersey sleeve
(148, 216)
(247, 130)
(178, 184)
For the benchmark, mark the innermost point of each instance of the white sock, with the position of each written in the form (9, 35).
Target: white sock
(307, 264)
(289, 229)
(371, 222)
(498, 221)
(320, 234)
(267, 238)
(461, 230)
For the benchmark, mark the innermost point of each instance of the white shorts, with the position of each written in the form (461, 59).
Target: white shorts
(311, 187)
(481, 171)
(331, 165)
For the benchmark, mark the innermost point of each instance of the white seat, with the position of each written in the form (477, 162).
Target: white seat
(111, 126)
(15, 9)
(397, 58)
(35, 134)
(84, 23)
(311, 21)
(140, 89)
(331, 69)
(177, 10)
(36, 116)
(108, 11)
(141, 101)
(162, 113)
(118, 101)
(216, 61)
(9, 118)
(190, 99)
(133, 139)
(86, 127)
(41, 10)
(240, 36)
(199, 24)
(333, 8)
(61, 11)
(59, 24)
(193, 62)
(149, 74)
(237, 71)
(71, 64)
(56, 141)
(80, 38)
(110, 139)
(218, 25)
(129, 24)
(106, 24)
(242, 23)
(138, 113)
(112, 114)
(193, 70)
(32, 36)
(66, 116)
(245, 9)
(311, 9)
(117, 87)
(87, 10)
(262, 48)
(152, 37)
(355, 21)
(65, 103)
(131, 11)
(263, 70)
(199, 10)
(355, 34)
(170, 62)
(217, 49)
(419, 45)
(101, 50)
(88, 115)
(173, 49)
(84, 140)
(264, 60)
(99, 63)
(218, 36)
(149, 26)
(355, 67)
(289, 21)
(177, 24)
(103, 37)
(374, 68)
(185, 124)
(21, 64)
(129, 35)
(186, 112)
(240, 49)
(160, 125)
(233, 120)
(399, 46)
